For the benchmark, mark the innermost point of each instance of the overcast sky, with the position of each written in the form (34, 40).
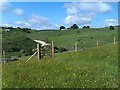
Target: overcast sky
(51, 15)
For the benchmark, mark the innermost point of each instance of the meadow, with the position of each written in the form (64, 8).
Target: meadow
(85, 38)
(91, 68)
(20, 43)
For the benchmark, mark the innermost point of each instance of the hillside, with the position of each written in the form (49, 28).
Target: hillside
(16, 43)
(18, 40)
(85, 38)
(91, 68)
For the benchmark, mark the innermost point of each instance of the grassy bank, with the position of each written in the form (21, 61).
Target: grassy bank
(91, 68)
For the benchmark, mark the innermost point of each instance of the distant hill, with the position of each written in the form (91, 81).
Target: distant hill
(16, 43)
(19, 40)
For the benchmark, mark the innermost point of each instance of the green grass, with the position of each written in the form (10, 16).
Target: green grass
(91, 68)
(67, 38)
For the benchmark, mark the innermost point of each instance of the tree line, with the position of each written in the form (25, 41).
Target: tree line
(75, 26)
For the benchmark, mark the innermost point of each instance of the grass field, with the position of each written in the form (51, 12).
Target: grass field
(17, 40)
(85, 38)
(91, 68)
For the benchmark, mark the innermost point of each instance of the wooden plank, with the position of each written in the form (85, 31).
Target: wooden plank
(31, 56)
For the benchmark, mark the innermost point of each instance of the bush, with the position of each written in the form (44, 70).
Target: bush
(22, 51)
(111, 28)
(91, 37)
(62, 27)
(62, 49)
(74, 26)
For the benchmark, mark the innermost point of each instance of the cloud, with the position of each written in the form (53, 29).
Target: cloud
(4, 5)
(39, 20)
(104, 7)
(112, 22)
(84, 12)
(99, 7)
(99, 1)
(72, 19)
(36, 22)
(23, 24)
(18, 11)
(6, 25)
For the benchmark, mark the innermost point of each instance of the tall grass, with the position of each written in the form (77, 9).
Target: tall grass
(92, 68)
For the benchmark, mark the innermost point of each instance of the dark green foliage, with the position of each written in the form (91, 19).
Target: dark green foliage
(86, 27)
(91, 37)
(74, 26)
(47, 40)
(78, 39)
(62, 49)
(26, 30)
(18, 28)
(111, 28)
(62, 27)
(59, 34)
(29, 51)
(69, 28)
(16, 41)
(78, 31)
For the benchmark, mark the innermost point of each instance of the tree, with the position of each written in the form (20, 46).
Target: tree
(74, 26)
(111, 27)
(18, 28)
(84, 27)
(88, 26)
(69, 28)
(62, 27)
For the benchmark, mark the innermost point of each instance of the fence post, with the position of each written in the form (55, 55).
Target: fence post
(76, 47)
(114, 40)
(52, 49)
(97, 43)
(4, 55)
(39, 51)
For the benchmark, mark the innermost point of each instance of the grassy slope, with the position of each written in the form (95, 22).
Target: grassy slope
(14, 41)
(68, 38)
(95, 67)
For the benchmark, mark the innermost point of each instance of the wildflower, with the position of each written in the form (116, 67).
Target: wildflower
(74, 75)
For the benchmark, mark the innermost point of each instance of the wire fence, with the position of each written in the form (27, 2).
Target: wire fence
(78, 46)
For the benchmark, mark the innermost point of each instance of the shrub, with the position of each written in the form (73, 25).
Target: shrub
(62, 49)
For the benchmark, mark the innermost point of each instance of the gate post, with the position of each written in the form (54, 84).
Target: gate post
(52, 49)
(39, 51)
